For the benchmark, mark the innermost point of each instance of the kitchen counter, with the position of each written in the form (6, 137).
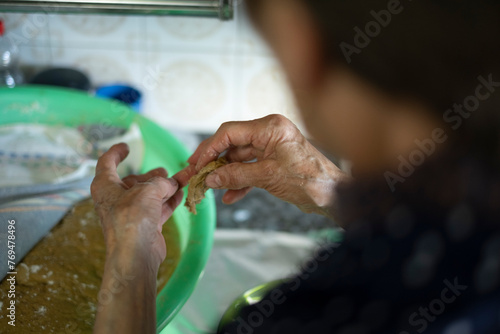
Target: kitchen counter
(259, 210)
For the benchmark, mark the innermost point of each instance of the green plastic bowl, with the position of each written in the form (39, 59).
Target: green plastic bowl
(57, 106)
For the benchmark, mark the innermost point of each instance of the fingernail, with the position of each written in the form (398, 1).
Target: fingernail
(173, 182)
(213, 181)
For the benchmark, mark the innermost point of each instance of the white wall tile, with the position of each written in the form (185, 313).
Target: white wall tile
(39, 56)
(27, 29)
(195, 73)
(264, 90)
(98, 31)
(188, 34)
(249, 40)
(190, 92)
(101, 65)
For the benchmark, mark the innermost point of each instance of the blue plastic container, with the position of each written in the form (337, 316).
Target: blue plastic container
(123, 93)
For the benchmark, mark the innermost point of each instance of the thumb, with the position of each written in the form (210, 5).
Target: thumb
(163, 187)
(240, 175)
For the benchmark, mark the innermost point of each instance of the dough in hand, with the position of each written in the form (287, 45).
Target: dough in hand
(197, 186)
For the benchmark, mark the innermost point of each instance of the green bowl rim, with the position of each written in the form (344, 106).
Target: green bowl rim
(197, 251)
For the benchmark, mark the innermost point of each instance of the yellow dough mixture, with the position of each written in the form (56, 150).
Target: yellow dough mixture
(58, 281)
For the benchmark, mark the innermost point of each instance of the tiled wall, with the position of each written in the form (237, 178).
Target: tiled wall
(195, 73)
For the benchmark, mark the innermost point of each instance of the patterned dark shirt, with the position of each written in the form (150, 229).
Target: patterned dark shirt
(422, 259)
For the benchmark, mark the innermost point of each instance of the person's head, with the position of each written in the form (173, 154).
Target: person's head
(372, 76)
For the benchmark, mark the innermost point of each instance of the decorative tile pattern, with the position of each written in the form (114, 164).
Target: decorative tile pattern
(267, 93)
(97, 31)
(190, 92)
(195, 73)
(26, 29)
(38, 56)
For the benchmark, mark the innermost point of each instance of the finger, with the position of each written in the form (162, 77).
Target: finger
(106, 175)
(108, 162)
(132, 180)
(196, 155)
(241, 175)
(160, 187)
(160, 172)
(242, 154)
(232, 196)
(184, 175)
(228, 135)
(171, 204)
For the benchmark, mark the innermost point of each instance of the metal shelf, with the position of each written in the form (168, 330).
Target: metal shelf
(222, 9)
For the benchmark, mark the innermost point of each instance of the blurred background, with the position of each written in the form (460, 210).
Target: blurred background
(194, 73)
(187, 74)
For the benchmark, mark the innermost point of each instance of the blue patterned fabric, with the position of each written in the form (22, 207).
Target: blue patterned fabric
(35, 210)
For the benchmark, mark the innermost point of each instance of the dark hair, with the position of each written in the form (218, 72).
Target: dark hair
(431, 50)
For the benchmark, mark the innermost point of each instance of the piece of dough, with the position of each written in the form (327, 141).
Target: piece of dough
(197, 186)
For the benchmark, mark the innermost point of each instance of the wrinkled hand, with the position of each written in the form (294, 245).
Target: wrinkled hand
(133, 210)
(268, 153)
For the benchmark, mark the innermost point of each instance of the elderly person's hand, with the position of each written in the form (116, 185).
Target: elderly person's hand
(133, 210)
(268, 153)
(132, 213)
